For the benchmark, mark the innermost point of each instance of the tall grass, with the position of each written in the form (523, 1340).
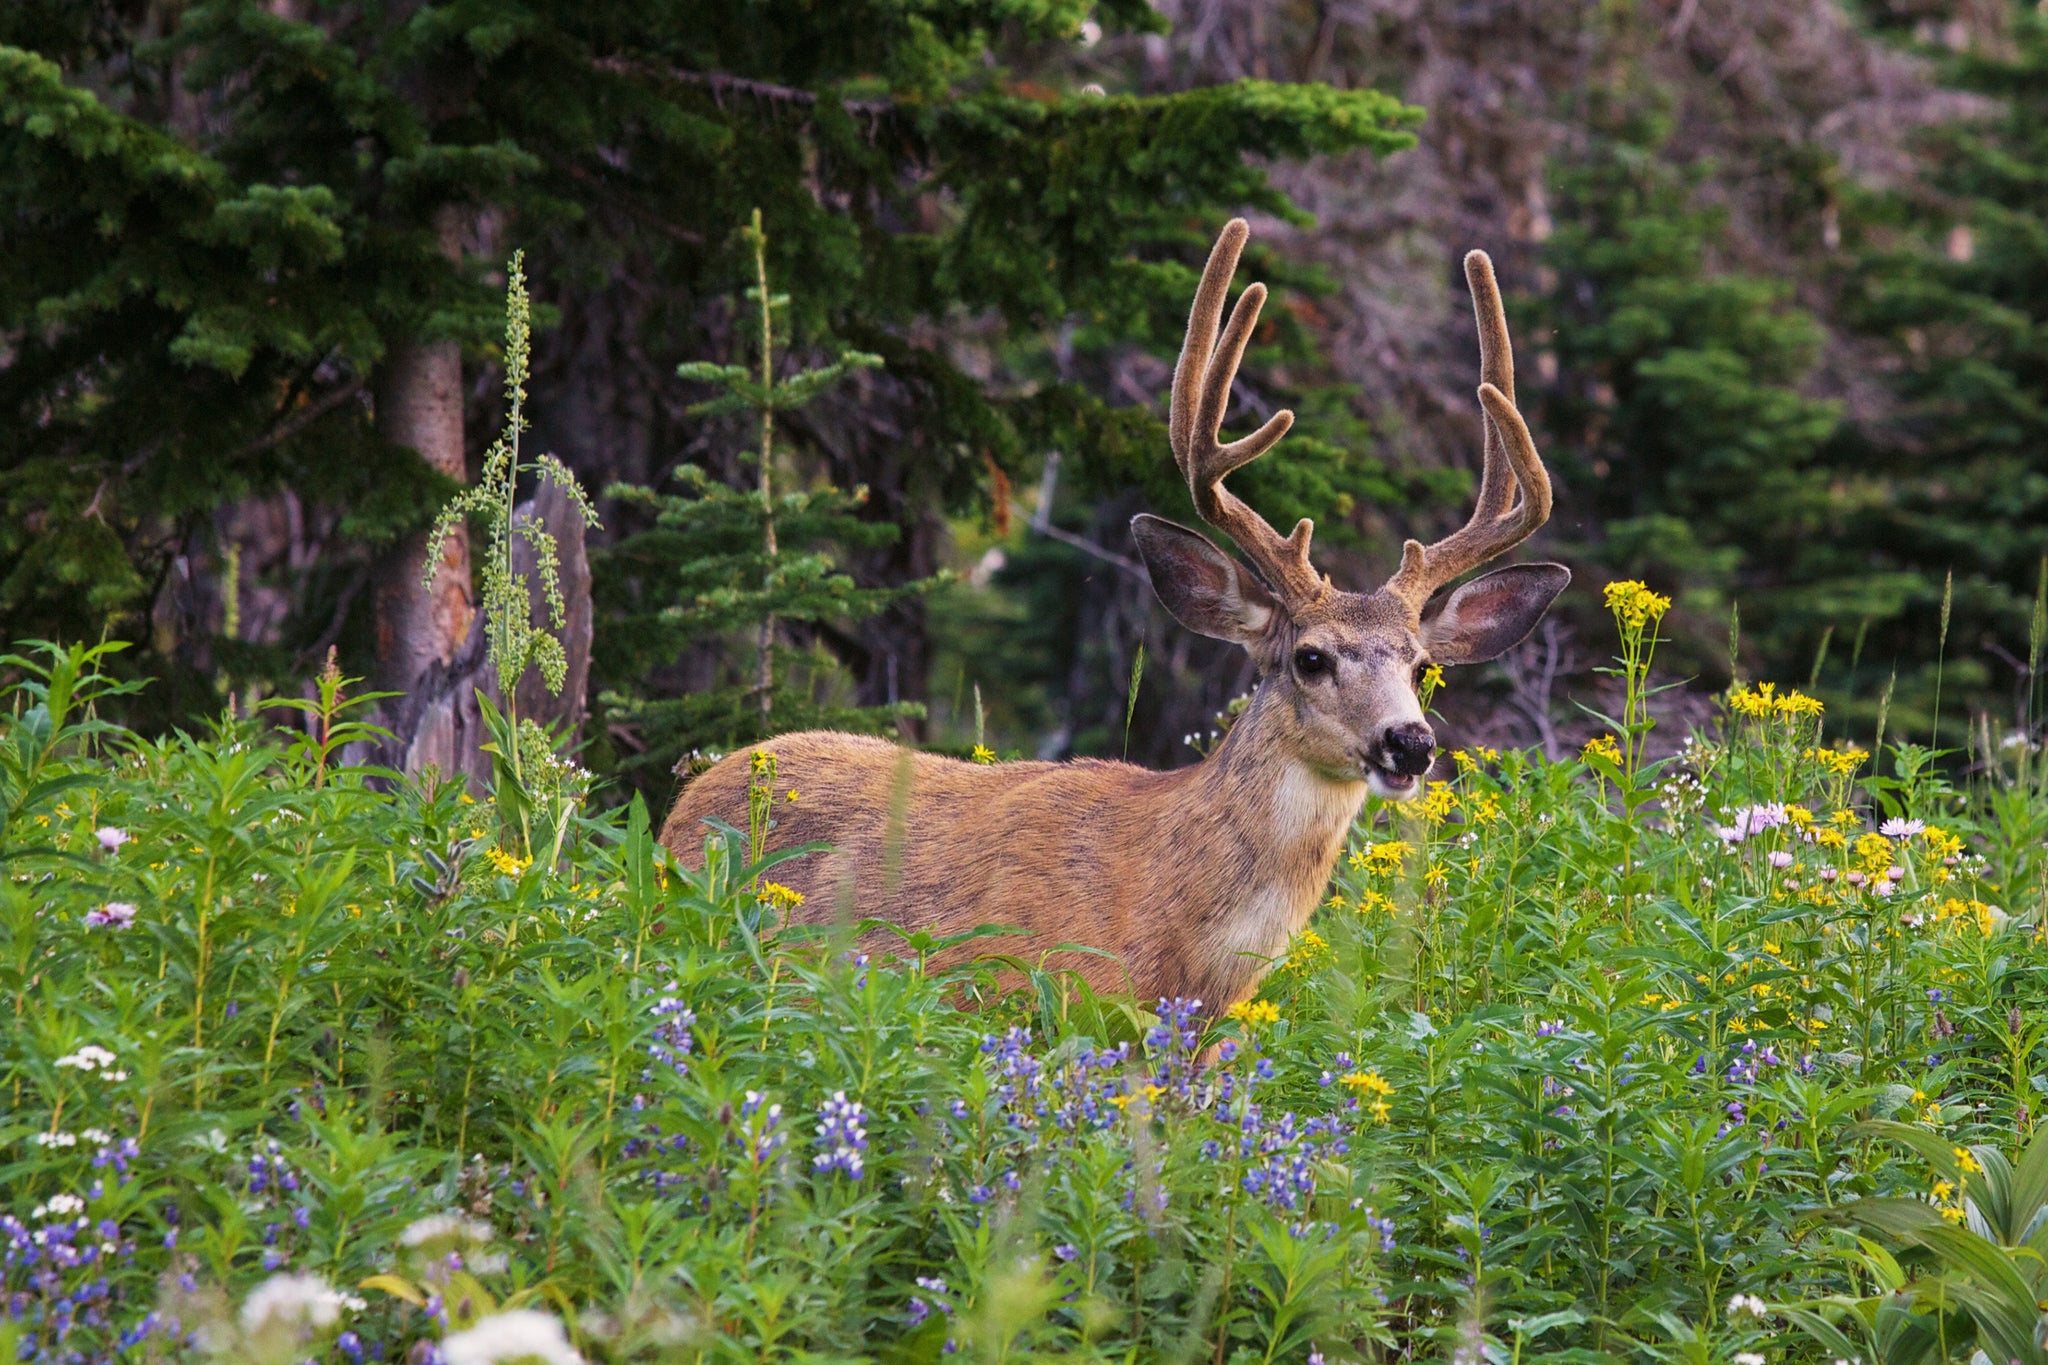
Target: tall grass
(301, 1063)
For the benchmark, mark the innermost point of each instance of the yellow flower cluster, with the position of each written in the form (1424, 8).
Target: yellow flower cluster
(1602, 746)
(1634, 605)
(1370, 902)
(1439, 803)
(984, 754)
(1838, 762)
(1369, 1083)
(507, 863)
(1469, 759)
(1254, 1014)
(1873, 854)
(1940, 843)
(1987, 918)
(1483, 810)
(1763, 701)
(781, 897)
(1310, 952)
(1380, 858)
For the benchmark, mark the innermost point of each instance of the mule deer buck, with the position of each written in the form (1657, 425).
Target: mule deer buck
(1195, 879)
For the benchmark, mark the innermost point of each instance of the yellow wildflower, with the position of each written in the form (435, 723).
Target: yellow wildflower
(1966, 1163)
(1439, 803)
(1841, 762)
(1940, 843)
(1368, 1083)
(1831, 838)
(984, 754)
(1485, 810)
(1255, 1013)
(1602, 746)
(1370, 901)
(791, 797)
(1432, 679)
(506, 863)
(781, 897)
(1310, 951)
(1386, 857)
(1634, 605)
(1873, 853)
(1842, 817)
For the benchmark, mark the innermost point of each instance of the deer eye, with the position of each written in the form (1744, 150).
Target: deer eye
(1311, 663)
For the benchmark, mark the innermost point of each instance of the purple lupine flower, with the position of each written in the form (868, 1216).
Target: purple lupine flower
(842, 1136)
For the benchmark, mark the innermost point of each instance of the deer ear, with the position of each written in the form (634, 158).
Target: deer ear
(1206, 590)
(1491, 614)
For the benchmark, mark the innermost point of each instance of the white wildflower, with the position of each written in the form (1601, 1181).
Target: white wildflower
(445, 1227)
(523, 1334)
(1748, 1304)
(111, 838)
(94, 1058)
(1748, 1358)
(294, 1301)
(60, 1206)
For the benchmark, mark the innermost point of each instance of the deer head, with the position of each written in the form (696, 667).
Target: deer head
(1345, 666)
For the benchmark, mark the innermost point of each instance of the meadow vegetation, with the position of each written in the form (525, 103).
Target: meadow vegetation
(1730, 1056)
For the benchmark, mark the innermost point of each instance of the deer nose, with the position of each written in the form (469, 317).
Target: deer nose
(1411, 748)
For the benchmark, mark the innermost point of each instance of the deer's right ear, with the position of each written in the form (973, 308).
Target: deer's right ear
(1206, 590)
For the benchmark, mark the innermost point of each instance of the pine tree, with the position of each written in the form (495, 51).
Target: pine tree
(1677, 424)
(1959, 292)
(729, 561)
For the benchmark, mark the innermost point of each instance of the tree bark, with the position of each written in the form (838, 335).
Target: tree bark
(419, 404)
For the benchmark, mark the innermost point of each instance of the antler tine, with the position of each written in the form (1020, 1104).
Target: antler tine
(1511, 464)
(1201, 395)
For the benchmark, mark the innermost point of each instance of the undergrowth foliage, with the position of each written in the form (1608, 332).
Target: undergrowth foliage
(1727, 1058)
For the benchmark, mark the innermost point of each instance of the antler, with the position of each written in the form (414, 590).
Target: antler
(1201, 393)
(1499, 522)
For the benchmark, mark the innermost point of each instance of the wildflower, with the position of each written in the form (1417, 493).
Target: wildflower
(1386, 857)
(1634, 605)
(304, 1303)
(508, 864)
(1748, 1358)
(780, 897)
(112, 915)
(1746, 1305)
(451, 1228)
(1438, 805)
(1485, 810)
(1602, 746)
(1780, 858)
(790, 796)
(1901, 829)
(110, 838)
(1965, 1162)
(1368, 1083)
(1254, 1013)
(984, 754)
(842, 1136)
(1873, 854)
(93, 1058)
(521, 1334)
(1311, 950)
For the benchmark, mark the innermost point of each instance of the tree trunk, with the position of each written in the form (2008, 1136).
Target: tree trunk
(419, 404)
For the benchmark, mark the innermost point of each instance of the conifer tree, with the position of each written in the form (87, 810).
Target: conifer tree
(723, 560)
(1677, 424)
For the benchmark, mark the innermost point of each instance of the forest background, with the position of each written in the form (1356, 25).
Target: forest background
(1778, 273)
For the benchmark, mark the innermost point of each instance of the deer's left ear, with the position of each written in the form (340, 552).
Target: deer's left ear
(1491, 614)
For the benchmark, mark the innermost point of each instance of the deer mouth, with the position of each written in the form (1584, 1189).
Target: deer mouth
(1390, 785)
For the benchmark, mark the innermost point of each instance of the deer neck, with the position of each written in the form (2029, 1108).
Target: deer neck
(1286, 825)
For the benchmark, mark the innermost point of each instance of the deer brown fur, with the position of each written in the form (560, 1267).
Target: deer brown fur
(1191, 881)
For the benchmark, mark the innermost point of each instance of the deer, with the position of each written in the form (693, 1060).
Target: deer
(1188, 883)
